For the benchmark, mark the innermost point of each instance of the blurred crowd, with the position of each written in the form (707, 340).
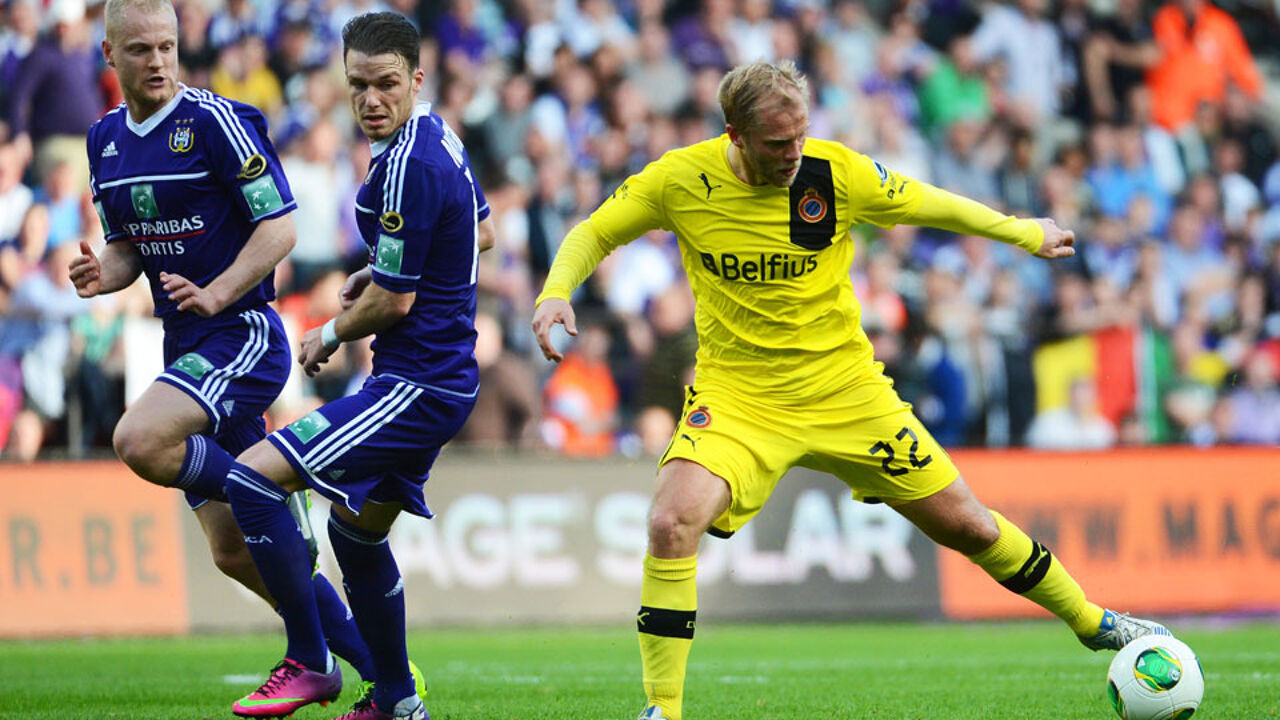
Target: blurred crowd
(1143, 127)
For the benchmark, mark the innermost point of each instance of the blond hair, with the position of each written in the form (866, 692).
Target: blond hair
(113, 14)
(747, 87)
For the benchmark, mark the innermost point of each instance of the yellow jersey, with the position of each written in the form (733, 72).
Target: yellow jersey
(770, 266)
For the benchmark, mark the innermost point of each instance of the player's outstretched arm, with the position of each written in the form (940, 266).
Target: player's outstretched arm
(948, 211)
(548, 313)
(270, 242)
(119, 266)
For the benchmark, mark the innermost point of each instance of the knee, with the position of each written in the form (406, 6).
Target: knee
(138, 448)
(233, 560)
(672, 533)
(975, 532)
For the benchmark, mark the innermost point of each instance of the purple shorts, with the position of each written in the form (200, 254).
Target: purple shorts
(234, 367)
(377, 444)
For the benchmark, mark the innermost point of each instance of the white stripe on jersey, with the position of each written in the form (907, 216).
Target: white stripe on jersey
(364, 414)
(252, 351)
(363, 209)
(398, 159)
(241, 478)
(225, 114)
(356, 436)
(316, 479)
(362, 426)
(152, 178)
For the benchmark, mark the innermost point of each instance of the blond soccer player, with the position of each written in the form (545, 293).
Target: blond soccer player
(785, 372)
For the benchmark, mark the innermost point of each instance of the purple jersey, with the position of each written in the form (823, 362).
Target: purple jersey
(187, 187)
(418, 212)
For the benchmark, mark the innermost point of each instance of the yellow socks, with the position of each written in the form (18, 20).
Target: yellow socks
(668, 606)
(1027, 568)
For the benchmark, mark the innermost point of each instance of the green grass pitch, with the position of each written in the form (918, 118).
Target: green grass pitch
(987, 671)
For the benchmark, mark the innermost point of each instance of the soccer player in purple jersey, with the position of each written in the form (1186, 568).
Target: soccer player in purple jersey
(424, 220)
(190, 193)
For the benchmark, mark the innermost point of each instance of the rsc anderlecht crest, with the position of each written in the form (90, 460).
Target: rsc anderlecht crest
(181, 139)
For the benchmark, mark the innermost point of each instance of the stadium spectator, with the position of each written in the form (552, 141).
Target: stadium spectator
(1116, 56)
(196, 52)
(657, 73)
(242, 74)
(1201, 48)
(1030, 46)
(18, 37)
(56, 94)
(963, 165)
(1240, 197)
(751, 32)
(668, 366)
(1120, 173)
(596, 24)
(1162, 150)
(234, 20)
(1077, 426)
(97, 372)
(507, 404)
(955, 89)
(15, 197)
(702, 38)
(1254, 406)
(580, 399)
(312, 168)
(854, 35)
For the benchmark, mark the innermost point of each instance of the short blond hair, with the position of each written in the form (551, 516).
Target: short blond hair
(113, 13)
(745, 88)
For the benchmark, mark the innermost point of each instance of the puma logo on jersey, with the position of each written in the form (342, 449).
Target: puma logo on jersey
(710, 187)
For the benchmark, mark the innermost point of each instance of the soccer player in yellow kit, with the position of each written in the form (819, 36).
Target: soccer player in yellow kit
(785, 373)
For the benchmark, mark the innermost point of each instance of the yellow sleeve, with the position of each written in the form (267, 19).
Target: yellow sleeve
(579, 254)
(948, 211)
(634, 209)
(880, 196)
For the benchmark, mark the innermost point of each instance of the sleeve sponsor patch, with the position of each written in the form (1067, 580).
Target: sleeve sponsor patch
(389, 255)
(262, 196)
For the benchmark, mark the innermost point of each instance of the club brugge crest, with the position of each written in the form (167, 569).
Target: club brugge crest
(699, 418)
(180, 140)
(812, 208)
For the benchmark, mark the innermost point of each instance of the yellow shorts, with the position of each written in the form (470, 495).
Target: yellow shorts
(865, 435)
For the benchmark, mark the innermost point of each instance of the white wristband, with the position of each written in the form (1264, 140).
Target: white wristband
(329, 334)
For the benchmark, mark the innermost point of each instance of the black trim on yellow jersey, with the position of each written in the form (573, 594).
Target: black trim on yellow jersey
(813, 205)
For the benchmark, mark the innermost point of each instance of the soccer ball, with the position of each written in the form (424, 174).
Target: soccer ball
(1155, 677)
